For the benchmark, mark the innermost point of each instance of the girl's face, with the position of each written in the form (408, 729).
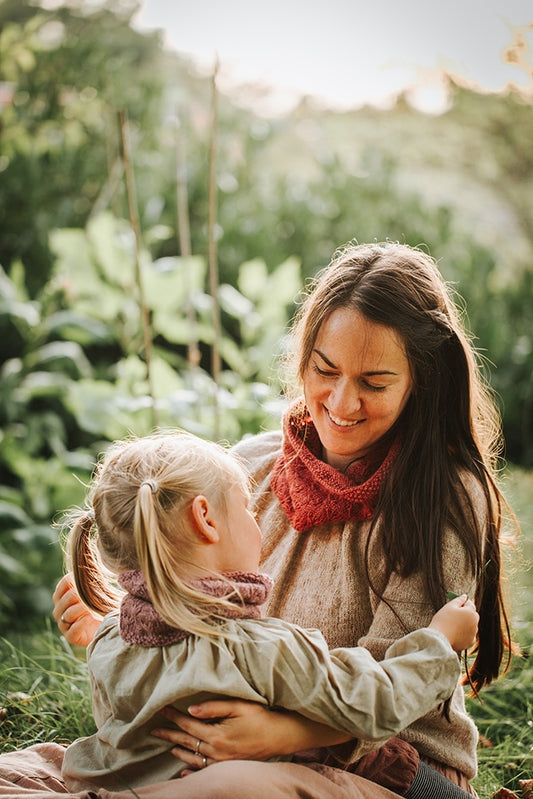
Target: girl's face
(356, 384)
(240, 542)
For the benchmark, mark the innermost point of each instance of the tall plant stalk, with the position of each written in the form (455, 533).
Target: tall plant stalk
(212, 250)
(184, 239)
(134, 221)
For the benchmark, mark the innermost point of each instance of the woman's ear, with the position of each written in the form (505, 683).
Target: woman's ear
(204, 519)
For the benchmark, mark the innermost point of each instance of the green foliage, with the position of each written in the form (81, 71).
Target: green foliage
(301, 184)
(504, 717)
(73, 367)
(504, 714)
(74, 378)
(68, 72)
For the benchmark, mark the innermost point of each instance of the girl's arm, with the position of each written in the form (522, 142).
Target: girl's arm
(77, 623)
(292, 668)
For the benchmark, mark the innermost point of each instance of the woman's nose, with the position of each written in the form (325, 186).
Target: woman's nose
(345, 399)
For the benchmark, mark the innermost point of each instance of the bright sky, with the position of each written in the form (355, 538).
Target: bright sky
(348, 52)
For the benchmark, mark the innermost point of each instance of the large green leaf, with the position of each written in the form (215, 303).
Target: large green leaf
(74, 268)
(132, 377)
(169, 282)
(41, 385)
(101, 411)
(94, 286)
(12, 515)
(233, 302)
(280, 291)
(252, 278)
(64, 357)
(72, 325)
(21, 313)
(111, 243)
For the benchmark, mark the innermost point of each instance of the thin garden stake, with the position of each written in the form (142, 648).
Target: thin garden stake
(184, 238)
(212, 250)
(134, 221)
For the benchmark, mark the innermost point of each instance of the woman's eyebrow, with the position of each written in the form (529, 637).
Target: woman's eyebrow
(373, 373)
(326, 360)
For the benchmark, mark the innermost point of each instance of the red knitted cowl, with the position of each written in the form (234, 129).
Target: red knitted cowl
(312, 492)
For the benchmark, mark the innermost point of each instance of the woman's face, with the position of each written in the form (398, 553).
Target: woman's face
(356, 384)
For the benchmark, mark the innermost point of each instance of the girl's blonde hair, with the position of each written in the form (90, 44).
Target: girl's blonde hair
(138, 518)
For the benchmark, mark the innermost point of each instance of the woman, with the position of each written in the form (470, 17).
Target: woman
(378, 497)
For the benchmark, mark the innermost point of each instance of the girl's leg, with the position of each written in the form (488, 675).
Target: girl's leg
(35, 773)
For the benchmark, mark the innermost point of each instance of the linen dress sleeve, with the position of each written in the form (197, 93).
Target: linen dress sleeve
(347, 688)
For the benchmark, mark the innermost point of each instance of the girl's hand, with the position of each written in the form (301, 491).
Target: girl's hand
(77, 623)
(242, 731)
(458, 621)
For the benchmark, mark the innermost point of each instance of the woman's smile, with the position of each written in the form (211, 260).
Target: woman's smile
(343, 422)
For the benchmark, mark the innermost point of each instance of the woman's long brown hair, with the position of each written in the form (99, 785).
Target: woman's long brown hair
(449, 429)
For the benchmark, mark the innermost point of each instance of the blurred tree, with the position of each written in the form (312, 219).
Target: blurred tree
(295, 185)
(499, 287)
(502, 126)
(65, 74)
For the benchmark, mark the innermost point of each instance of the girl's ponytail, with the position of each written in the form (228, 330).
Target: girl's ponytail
(147, 535)
(91, 581)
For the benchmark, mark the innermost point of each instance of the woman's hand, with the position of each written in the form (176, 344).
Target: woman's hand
(242, 731)
(77, 623)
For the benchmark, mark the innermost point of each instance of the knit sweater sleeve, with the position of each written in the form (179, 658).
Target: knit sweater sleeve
(258, 453)
(404, 606)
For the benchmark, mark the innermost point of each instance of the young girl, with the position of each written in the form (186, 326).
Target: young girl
(169, 517)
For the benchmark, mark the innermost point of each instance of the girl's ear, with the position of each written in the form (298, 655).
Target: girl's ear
(204, 519)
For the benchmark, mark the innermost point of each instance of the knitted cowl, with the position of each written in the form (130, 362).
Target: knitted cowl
(140, 623)
(312, 492)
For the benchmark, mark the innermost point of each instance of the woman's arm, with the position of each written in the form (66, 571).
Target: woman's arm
(77, 623)
(242, 730)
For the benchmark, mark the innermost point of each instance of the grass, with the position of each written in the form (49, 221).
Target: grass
(44, 694)
(504, 715)
(505, 720)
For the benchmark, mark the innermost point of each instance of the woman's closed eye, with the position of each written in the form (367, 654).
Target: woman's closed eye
(324, 372)
(373, 387)
(329, 373)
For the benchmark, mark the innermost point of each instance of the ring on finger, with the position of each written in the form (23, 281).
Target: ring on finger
(197, 750)
(63, 620)
(204, 761)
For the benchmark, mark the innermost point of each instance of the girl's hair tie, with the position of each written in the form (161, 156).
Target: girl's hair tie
(154, 485)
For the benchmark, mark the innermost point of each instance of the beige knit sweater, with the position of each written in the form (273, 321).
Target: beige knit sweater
(320, 581)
